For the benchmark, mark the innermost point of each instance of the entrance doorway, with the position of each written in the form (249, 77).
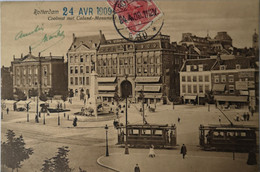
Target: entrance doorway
(126, 89)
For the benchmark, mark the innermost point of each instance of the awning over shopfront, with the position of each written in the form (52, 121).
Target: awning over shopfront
(147, 79)
(106, 95)
(153, 95)
(148, 88)
(219, 87)
(190, 97)
(106, 79)
(231, 98)
(243, 93)
(106, 88)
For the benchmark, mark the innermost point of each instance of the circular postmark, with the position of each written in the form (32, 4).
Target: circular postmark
(137, 20)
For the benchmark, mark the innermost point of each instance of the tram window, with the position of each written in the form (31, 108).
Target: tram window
(230, 134)
(243, 134)
(158, 132)
(218, 134)
(146, 132)
(135, 132)
(238, 134)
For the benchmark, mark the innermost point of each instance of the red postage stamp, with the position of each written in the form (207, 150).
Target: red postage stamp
(135, 15)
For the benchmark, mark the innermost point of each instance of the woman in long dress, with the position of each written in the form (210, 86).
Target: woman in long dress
(151, 152)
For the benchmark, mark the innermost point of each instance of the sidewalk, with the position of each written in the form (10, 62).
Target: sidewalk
(171, 160)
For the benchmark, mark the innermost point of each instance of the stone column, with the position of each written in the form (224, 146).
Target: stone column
(93, 91)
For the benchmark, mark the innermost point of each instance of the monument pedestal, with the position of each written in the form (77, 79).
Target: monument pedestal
(93, 91)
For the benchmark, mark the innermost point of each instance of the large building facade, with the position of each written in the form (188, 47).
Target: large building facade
(147, 66)
(82, 56)
(6, 83)
(195, 80)
(234, 81)
(39, 73)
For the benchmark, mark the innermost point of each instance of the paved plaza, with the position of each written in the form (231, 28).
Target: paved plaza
(86, 142)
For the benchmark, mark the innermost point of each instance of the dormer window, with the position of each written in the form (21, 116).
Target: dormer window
(238, 66)
(222, 67)
(201, 67)
(188, 68)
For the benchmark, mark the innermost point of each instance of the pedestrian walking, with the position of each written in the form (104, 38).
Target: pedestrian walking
(137, 169)
(151, 152)
(179, 119)
(219, 119)
(7, 110)
(75, 121)
(244, 116)
(247, 116)
(252, 112)
(183, 151)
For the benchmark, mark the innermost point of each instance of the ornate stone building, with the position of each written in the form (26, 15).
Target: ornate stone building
(81, 61)
(40, 73)
(148, 67)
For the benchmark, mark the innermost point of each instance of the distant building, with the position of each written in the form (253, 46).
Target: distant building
(41, 73)
(204, 47)
(255, 41)
(234, 81)
(195, 80)
(6, 83)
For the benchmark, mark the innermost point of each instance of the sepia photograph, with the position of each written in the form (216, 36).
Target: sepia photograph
(130, 86)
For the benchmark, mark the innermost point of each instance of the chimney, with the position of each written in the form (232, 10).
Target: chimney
(22, 55)
(100, 33)
(50, 54)
(14, 57)
(39, 54)
(30, 50)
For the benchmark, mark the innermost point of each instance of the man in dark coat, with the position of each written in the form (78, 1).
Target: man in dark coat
(137, 169)
(183, 151)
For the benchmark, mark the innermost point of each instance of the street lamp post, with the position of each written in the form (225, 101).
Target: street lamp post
(126, 143)
(27, 109)
(106, 128)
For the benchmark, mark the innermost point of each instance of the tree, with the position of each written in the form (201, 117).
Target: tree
(116, 96)
(64, 98)
(51, 93)
(43, 97)
(13, 151)
(209, 97)
(71, 94)
(20, 95)
(33, 92)
(47, 166)
(58, 163)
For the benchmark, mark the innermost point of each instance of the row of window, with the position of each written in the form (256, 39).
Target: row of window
(129, 70)
(81, 58)
(79, 81)
(195, 88)
(223, 78)
(223, 67)
(79, 69)
(31, 82)
(194, 67)
(30, 71)
(195, 78)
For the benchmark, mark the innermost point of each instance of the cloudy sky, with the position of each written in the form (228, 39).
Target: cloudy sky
(238, 17)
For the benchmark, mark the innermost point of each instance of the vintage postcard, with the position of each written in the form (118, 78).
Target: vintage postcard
(130, 86)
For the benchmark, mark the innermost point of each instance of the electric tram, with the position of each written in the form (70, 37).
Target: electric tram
(145, 135)
(228, 137)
